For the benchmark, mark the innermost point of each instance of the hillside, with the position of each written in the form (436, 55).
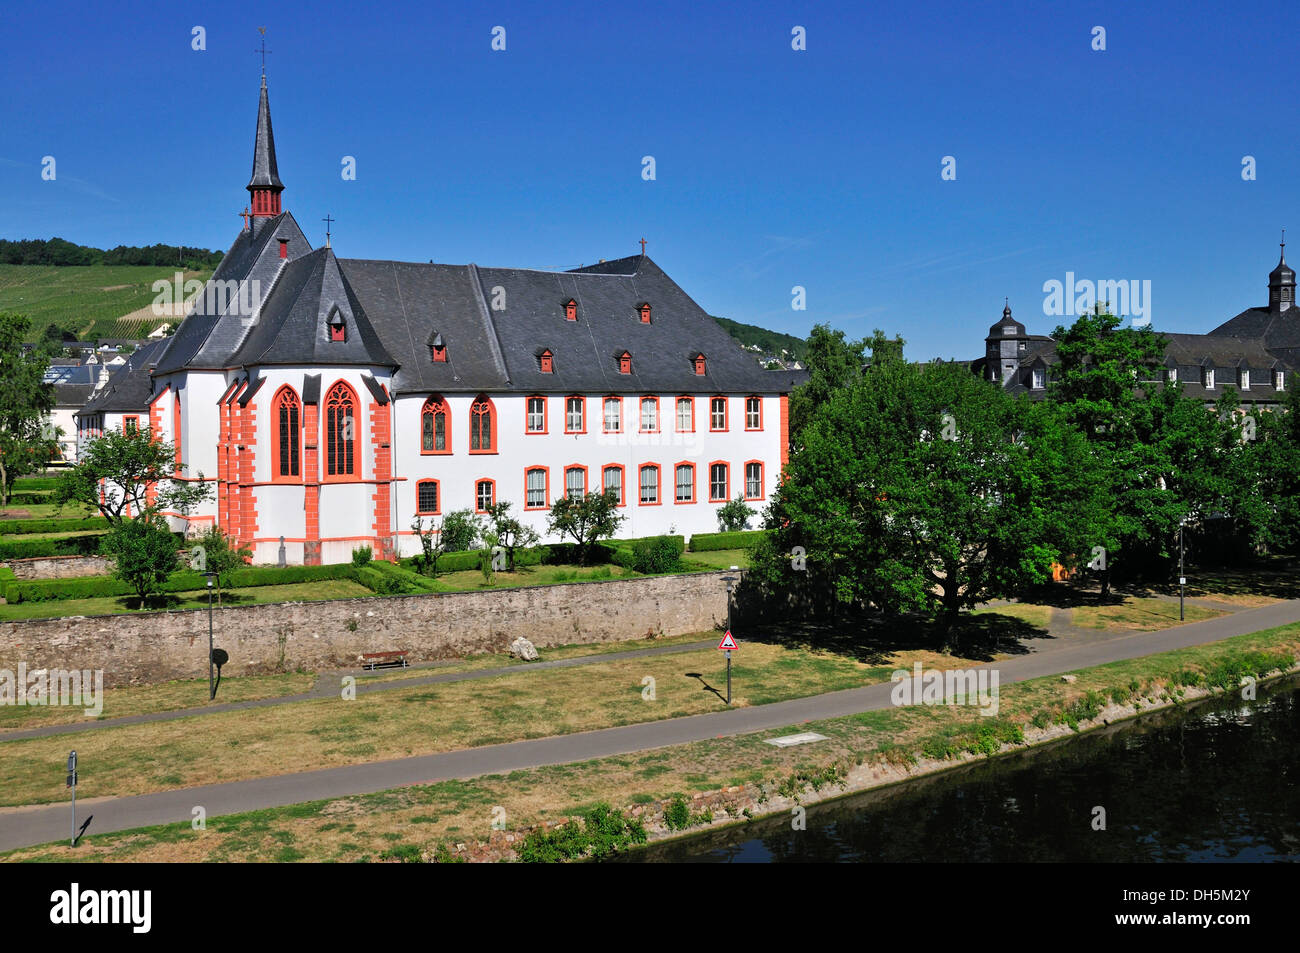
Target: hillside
(771, 343)
(89, 300)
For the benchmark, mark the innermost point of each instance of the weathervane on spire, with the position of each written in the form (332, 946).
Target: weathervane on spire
(263, 50)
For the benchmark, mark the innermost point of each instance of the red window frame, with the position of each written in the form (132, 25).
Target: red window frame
(176, 428)
(340, 395)
(693, 497)
(435, 405)
(762, 484)
(546, 423)
(478, 508)
(726, 414)
(625, 363)
(131, 423)
(759, 401)
(287, 415)
(701, 366)
(644, 309)
(437, 492)
(659, 484)
(548, 365)
(676, 420)
(571, 310)
(604, 416)
(483, 406)
(640, 415)
(622, 481)
(582, 408)
(727, 488)
(585, 474)
(546, 487)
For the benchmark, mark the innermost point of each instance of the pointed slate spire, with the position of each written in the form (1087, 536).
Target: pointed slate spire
(265, 185)
(1281, 283)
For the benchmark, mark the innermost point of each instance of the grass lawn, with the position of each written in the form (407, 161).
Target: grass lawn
(191, 599)
(44, 511)
(33, 537)
(168, 696)
(1140, 615)
(364, 826)
(721, 558)
(1035, 615)
(423, 719)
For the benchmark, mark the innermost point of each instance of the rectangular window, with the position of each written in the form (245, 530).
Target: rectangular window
(130, 424)
(484, 495)
(1209, 378)
(753, 413)
(575, 483)
(536, 414)
(718, 488)
(535, 489)
(685, 483)
(718, 413)
(613, 415)
(427, 499)
(649, 414)
(574, 414)
(1279, 380)
(754, 481)
(685, 415)
(1245, 380)
(613, 480)
(1173, 375)
(650, 484)
(1038, 378)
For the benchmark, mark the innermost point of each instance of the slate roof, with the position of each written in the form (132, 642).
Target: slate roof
(265, 173)
(130, 388)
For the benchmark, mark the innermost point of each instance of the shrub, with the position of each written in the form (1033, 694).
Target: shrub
(92, 587)
(601, 833)
(460, 531)
(87, 545)
(361, 555)
(657, 554)
(734, 515)
(28, 527)
(711, 542)
(677, 815)
(144, 554)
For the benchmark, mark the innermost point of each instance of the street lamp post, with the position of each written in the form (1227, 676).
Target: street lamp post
(212, 688)
(1182, 579)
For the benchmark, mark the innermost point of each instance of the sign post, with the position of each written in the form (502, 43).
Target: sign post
(728, 645)
(72, 783)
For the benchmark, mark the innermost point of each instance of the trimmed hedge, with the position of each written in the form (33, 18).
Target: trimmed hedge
(96, 587)
(29, 499)
(35, 483)
(32, 548)
(708, 542)
(657, 554)
(27, 527)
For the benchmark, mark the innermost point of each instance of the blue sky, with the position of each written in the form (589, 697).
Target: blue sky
(774, 167)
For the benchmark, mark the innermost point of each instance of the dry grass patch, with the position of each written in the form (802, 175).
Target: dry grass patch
(1140, 615)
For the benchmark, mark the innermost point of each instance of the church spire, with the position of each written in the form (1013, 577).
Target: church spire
(265, 185)
(1281, 283)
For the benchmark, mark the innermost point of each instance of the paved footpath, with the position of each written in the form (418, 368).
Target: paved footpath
(21, 827)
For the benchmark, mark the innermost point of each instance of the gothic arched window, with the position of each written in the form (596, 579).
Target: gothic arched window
(340, 431)
(482, 426)
(435, 426)
(288, 414)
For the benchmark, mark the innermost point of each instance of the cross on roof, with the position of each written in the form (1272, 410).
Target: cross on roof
(643, 248)
(328, 222)
(263, 50)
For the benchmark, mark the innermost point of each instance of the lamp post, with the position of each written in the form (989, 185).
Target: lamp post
(1182, 579)
(212, 688)
(731, 585)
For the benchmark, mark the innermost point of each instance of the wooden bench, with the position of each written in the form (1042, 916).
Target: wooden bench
(371, 659)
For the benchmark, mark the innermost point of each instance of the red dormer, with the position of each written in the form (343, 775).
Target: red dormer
(438, 349)
(701, 367)
(624, 362)
(338, 330)
(570, 310)
(544, 358)
(644, 309)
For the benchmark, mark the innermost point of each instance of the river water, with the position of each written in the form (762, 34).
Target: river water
(1219, 781)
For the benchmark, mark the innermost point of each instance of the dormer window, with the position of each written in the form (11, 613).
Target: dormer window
(1021, 346)
(1173, 375)
(548, 366)
(338, 330)
(1279, 380)
(644, 309)
(1208, 378)
(570, 310)
(438, 349)
(625, 363)
(1037, 378)
(1244, 378)
(700, 365)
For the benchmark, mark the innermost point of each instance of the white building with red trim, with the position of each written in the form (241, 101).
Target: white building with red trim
(333, 401)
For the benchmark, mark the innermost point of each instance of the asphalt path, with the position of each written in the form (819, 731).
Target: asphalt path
(21, 827)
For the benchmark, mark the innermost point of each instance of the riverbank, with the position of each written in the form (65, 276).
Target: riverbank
(488, 818)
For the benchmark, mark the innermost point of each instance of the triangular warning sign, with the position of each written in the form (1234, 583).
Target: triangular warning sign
(727, 642)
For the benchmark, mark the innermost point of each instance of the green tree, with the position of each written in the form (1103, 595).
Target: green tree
(833, 361)
(219, 554)
(143, 551)
(27, 443)
(125, 466)
(586, 519)
(734, 515)
(925, 489)
(433, 543)
(511, 535)
(460, 531)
